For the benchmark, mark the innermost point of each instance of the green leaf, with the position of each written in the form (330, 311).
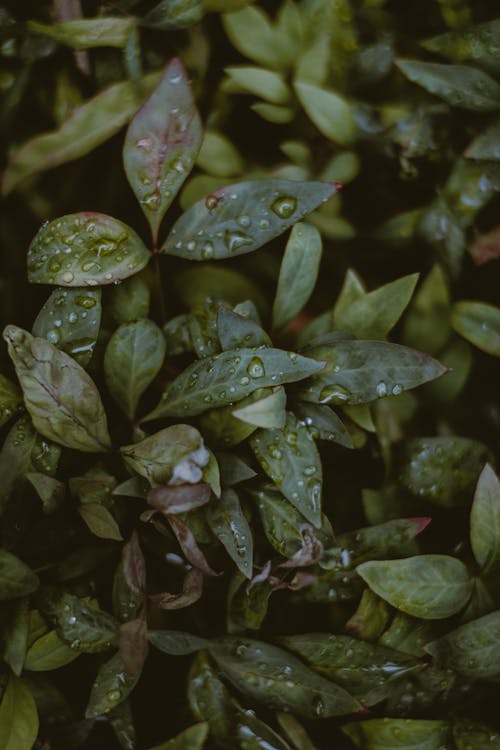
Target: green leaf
(175, 642)
(290, 458)
(18, 717)
(407, 634)
(49, 490)
(15, 636)
(85, 249)
(358, 372)
(390, 539)
(196, 284)
(468, 733)
(62, 400)
(235, 330)
(479, 323)
(229, 524)
(251, 32)
(174, 14)
(192, 738)
(86, 33)
(298, 273)
(161, 144)
(233, 470)
(275, 113)
(174, 453)
(330, 112)
(443, 470)
(270, 675)
(478, 43)
(10, 399)
(267, 412)
(111, 687)
(487, 144)
(218, 156)
(85, 628)
(246, 606)
(130, 300)
(485, 520)
(230, 376)
(100, 521)
(403, 734)
(16, 578)
(240, 218)
(427, 325)
(323, 423)
(428, 586)
(49, 652)
(70, 319)
(374, 315)
(133, 358)
(365, 670)
(472, 650)
(459, 85)
(267, 84)
(87, 127)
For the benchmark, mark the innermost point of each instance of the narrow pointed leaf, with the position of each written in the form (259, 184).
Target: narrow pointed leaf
(479, 323)
(174, 14)
(329, 111)
(15, 636)
(85, 249)
(323, 423)
(478, 43)
(485, 520)
(62, 400)
(111, 687)
(267, 412)
(175, 642)
(428, 586)
(18, 717)
(472, 650)
(240, 218)
(86, 33)
(229, 524)
(16, 578)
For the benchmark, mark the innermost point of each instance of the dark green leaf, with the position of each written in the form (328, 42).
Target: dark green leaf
(428, 586)
(479, 323)
(478, 43)
(323, 423)
(241, 218)
(10, 400)
(16, 578)
(15, 636)
(472, 650)
(392, 538)
(130, 300)
(175, 642)
(485, 520)
(174, 454)
(406, 734)
(473, 734)
(233, 470)
(112, 686)
(230, 526)
(247, 605)
(235, 331)
(100, 521)
(18, 717)
(86, 628)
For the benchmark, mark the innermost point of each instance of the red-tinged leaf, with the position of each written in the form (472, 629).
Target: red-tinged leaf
(486, 248)
(180, 498)
(134, 565)
(189, 546)
(192, 588)
(162, 143)
(309, 553)
(133, 646)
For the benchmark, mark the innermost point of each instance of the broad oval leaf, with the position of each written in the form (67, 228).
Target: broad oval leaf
(358, 372)
(298, 273)
(16, 578)
(399, 734)
(485, 520)
(49, 652)
(130, 301)
(479, 323)
(61, 398)
(70, 319)
(472, 650)
(230, 376)
(229, 524)
(270, 675)
(428, 586)
(235, 330)
(459, 85)
(240, 218)
(18, 717)
(133, 358)
(266, 84)
(290, 457)
(87, 629)
(162, 143)
(85, 249)
(330, 112)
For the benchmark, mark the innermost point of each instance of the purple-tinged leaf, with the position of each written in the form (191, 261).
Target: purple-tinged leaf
(180, 498)
(133, 646)
(192, 587)
(189, 545)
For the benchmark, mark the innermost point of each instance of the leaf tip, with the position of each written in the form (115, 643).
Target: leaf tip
(419, 522)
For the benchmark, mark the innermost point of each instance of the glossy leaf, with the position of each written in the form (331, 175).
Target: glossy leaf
(176, 643)
(85, 628)
(70, 319)
(291, 459)
(112, 686)
(240, 218)
(468, 733)
(18, 717)
(329, 111)
(428, 586)
(230, 376)
(323, 423)
(10, 399)
(406, 734)
(230, 526)
(192, 738)
(133, 358)
(358, 372)
(269, 411)
(130, 300)
(266, 673)
(86, 33)
(472, 649)
(174, 454)
(479, 323)
(85, 249)
(62, 400)
(485, 520)
(459, 85)
(161, 144)
(236, 331)
(174, 14)
(49, 652)
(16, 578)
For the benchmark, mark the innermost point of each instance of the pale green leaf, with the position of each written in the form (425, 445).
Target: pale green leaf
(487, 144)
(330, 112)
(192, 738)
(427, 325)
(479, 323)
(218, 156)
(266, 84)
(485, 520)
(85, 33)
(267, 412)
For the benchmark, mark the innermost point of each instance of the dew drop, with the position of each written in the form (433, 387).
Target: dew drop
(256, 368)
(334, 394)
(235, 240)
(284, 206)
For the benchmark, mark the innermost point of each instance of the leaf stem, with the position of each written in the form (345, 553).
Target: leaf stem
(159, 291)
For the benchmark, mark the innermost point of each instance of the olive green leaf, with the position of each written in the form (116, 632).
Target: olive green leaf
(290, 458)
(87, 629)
(240, 218)
(111, 687)
(269, 411)
(235, 330)
(468, 733)
(192, 738)
(323, 423)
(49, 652)
(10, 399)
(16, 578)
(478, 43)
(270, 675)
(247, 606)
(370, 618)
(87, 127)
(203, 331)
(130, 300)
(62, 400)
(178, 336)
(70, 319)
(49, 490)
(485, 520)
(85, 249)
(266, 84)
(18, 717)
(487, 144)
(175, 642)
(161, 144)
(218, 156)
(133, 358)
(407, 634)
(229, 524)
(472, 650)
(15, 636)
(332, 114)
(459, 85)
(403, 734)
(443, 470)
(428, 586)
(86, 33)
(230, 376)
(100, 521)
(176, 454)
(251, 32)
(274, 113)
(427, 325)
(365, 670)
(389, 539)
(358, 372)
(174, 14)
(479, 323)
(298, 273)
(373, 315)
